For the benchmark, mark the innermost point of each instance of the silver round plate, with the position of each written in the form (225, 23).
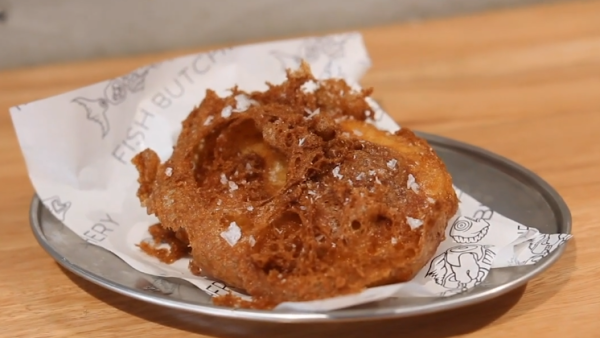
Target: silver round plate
(495, 181)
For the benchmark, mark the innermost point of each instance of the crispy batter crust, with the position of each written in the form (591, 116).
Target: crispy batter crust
(323, 200)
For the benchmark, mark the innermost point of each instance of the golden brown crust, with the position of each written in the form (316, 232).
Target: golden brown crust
(323, 200)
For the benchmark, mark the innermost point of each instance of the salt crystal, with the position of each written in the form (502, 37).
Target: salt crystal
(209, 120)
(169, 171)
(232, 186)
(311, 114)
(251, 240)
(336, 173)
(355, 88)
(233, 234)
(430, 200)
(357, 132)
(250, 208)
(377, 180)
(319, 238)
(302, 207)
(248, 167)
(310, 192)
(392, 163)
(223, 179)
(394, 241)
(242, 103)
(333, 245)
(411, 183)
(413, 222)
(301, 141)
(309, 86)
(371, 172)
(360, 176)
(226, 112)
(350, 182)
(219, 202)
(278, 231)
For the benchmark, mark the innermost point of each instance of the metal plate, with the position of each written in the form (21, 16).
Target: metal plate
(497, 182)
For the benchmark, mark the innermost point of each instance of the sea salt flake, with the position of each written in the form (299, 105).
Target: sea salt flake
(413, 222)
(309, 86)
(224, 179)
(357, 132)
(302, 207)
(301, 141)
(377, 180)
(251, 240)
(412, 184)
(248, 167)
(209, 120)
(310, 192)
(371, 172)
(233, 234)
(311, 114)
(250, 208)
(430, 200)
(226, 112)
(392, 163)
(360, 176)
(219, 202)
(336, 173)
(169, 171)
(242, 103)
(279, 231)
(232, 186)
(355, 88)
(350, 182)
(333, 245)
(394, 241)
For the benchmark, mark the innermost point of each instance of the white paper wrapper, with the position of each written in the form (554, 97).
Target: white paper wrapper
(78, 147)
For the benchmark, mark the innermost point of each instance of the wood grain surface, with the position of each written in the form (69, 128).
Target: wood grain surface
(523, 83)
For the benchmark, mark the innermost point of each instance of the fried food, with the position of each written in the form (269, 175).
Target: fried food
(292, 195)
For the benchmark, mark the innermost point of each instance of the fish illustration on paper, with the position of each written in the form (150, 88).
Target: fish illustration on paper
(483, 213)
(522, 229)
(57, 207)
(312, 50)
(466, 230)
(461, 267)
(542, 246)
(95, 110)
(114, 93)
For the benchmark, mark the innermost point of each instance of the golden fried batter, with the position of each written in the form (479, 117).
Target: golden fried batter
(290, 195)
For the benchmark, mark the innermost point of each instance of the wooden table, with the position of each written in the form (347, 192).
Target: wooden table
(522, 83)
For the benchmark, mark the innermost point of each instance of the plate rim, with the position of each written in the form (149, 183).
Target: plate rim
(551, 196)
